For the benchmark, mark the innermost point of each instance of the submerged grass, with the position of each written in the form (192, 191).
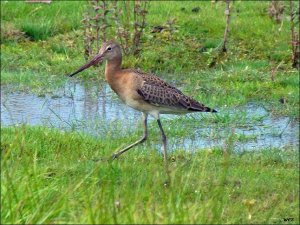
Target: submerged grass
(49, 176)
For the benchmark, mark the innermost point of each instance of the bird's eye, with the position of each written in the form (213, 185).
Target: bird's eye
(108, 49)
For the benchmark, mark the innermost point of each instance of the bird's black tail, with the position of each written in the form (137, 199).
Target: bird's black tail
(210, 110)
(203, 109)
(199, 107)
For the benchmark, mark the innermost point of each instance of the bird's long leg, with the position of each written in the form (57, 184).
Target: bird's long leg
(164, 139)
(143, 138)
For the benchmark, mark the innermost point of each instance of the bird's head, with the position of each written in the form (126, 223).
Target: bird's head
(110, 50)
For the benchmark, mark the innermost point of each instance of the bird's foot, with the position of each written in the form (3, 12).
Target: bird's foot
(115, 156)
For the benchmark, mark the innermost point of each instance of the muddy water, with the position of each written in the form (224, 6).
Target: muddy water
(97, 110)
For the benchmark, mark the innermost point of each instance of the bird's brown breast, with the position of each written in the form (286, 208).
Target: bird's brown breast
(126, 84)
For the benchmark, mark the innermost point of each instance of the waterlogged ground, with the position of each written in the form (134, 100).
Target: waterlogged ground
(95, 109)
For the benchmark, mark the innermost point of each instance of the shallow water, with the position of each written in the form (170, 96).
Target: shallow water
(95, 109)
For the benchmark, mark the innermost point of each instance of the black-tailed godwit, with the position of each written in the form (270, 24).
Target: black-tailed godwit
(142, 91)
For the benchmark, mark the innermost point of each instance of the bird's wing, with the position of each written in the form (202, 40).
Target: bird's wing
(169, 97)
(154, 80)
(158, 92)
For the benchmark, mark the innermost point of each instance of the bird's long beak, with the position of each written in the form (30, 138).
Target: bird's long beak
(98, 58)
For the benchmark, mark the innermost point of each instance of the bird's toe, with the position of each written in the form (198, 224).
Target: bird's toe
(114, 156)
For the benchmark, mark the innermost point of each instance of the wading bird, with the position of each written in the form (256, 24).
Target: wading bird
(142, 91)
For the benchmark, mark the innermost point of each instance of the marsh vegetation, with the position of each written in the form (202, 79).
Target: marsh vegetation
(238, 166)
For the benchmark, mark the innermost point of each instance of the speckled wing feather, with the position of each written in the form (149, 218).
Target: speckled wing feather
(170, 97)
(154, 80)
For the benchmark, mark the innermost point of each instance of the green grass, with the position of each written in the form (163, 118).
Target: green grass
(249, 38)
(38, 83)
(49, 176)
(41, 21)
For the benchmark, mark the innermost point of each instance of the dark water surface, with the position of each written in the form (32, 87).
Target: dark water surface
(95, 109)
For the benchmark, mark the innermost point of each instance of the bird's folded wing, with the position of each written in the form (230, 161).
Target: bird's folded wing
(169, 97)
(154, 80)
